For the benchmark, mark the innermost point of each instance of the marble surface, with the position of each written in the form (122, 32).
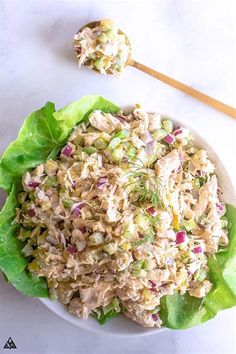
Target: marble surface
(192, 41)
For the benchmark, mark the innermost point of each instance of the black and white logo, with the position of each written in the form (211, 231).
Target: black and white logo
(9, 344)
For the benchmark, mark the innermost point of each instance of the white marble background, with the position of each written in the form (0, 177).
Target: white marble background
(192, 41)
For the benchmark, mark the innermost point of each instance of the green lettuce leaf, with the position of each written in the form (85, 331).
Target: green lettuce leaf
(12, 262)
(184, 311)
(42, 135)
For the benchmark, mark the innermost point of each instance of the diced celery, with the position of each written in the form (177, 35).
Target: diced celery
(118, 153)
(140, 264)
(145, 264)
(110, 247)
(24, 234)
(126, 246)
(21, 197)
(141, 273)
(98, 64)
(114, 143)
(68, 203)
(189, 224)
(100, 144)
(32, 196)
(131, 152)
(27, 250)
(51, 167)
(110, 34)
(41, 238)
(51, 181)
(123, 134)
(167, 125)
(196, 183)
(137, 264)
(89, 150)
(142, 221)
(224, 222)
(53, 293)
(159, 134)
(108, 308)
(96, 239)
(202, 274)
(103, 38)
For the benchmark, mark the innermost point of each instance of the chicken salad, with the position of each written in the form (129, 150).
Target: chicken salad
(127, 213)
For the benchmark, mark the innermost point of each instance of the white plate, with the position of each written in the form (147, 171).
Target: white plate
(122, 326)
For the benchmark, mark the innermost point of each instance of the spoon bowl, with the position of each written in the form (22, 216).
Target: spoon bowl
(94, 24)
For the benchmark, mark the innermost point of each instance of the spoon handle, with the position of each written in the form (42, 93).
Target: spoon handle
(220, 106)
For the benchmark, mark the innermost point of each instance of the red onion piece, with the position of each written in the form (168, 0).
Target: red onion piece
(169, 139)
(152, 211)
(153, 283)
(150, 147)
(170, 261)
(199, 173)
(177, 131)
(101, 182)
(180, 237)
(76, 208)
(220, 207)
(82, 229)
(33, 184)
(197, 249)
(32, 212)
(72, 250)
(67, 150)
(154, 317)
(121, 119)
(147, 138)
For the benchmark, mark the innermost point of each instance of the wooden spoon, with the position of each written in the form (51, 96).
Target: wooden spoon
(220, 106)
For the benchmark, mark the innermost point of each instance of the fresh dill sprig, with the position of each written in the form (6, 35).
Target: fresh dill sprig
(148, 238)
(149, 195)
